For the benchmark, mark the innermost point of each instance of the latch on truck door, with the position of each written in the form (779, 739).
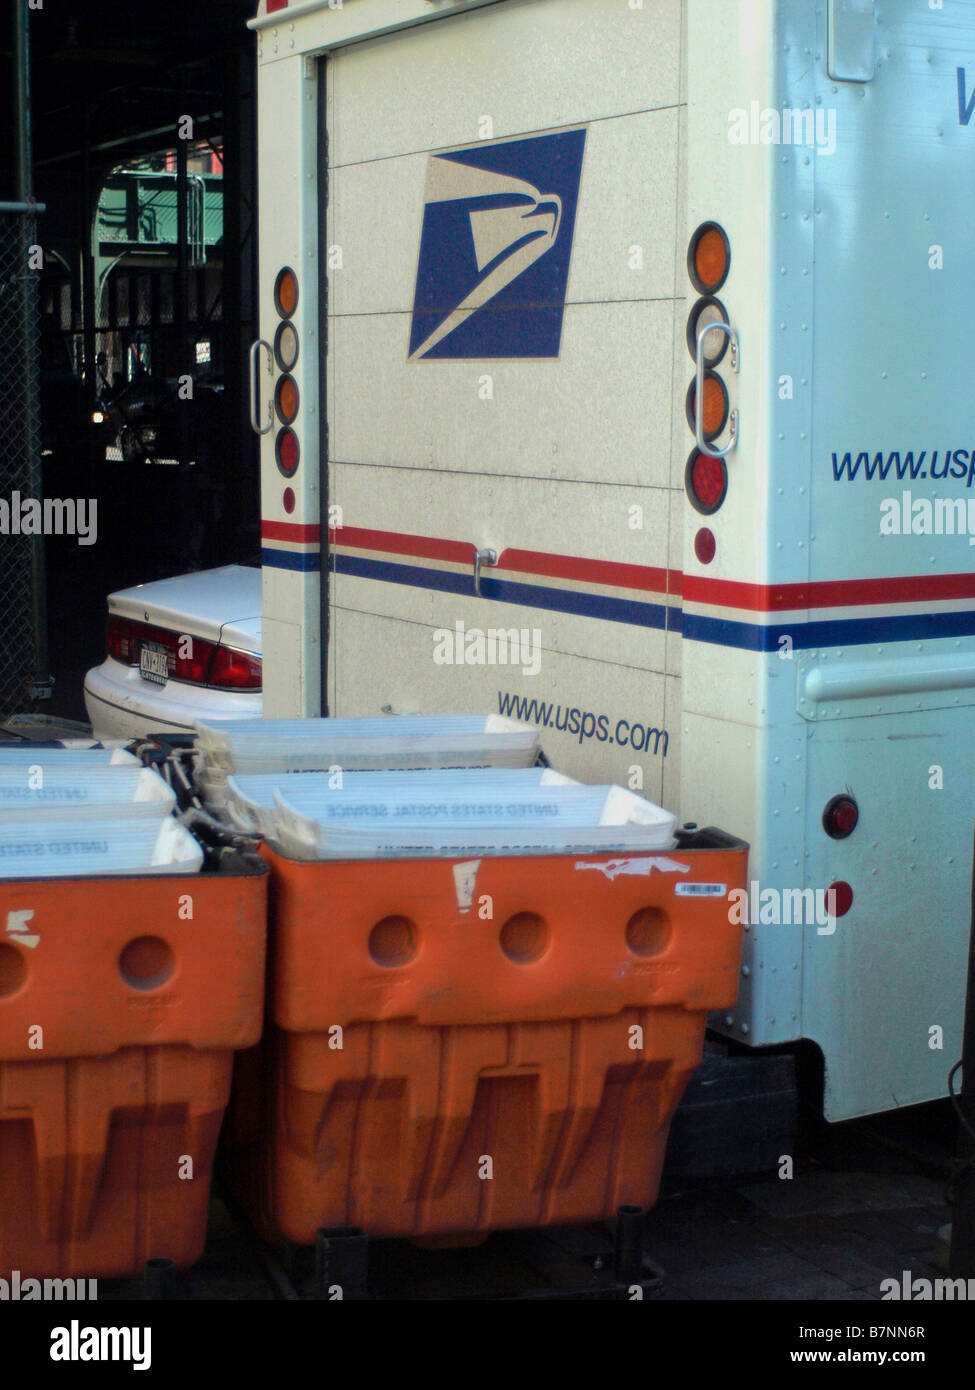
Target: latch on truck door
(482, 557)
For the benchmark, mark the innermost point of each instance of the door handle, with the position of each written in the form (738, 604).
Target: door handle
(482, 557)
(702, 443)
(255, 421)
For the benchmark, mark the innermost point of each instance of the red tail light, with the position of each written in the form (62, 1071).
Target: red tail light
(235, 670)
(190, 659)
(840, 816)
(705, 482)
(288, 452)
(194, 664)
(123, 640)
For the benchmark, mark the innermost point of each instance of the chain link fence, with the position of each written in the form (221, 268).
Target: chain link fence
(23, 653)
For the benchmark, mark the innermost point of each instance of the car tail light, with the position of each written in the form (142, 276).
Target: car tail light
(189, 659)
(840, 816)
(705, 482)
(123, 640)
(273, 5)
(233, 670)
(708, 258)
(194, 663)
(286, 292)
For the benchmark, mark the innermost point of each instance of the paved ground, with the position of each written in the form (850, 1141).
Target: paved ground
(866, 1203)
(824, 1235)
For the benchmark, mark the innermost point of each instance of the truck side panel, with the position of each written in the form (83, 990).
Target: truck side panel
(554, 451)
(507, 192)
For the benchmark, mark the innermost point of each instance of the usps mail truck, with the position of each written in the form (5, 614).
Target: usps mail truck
(613, 378)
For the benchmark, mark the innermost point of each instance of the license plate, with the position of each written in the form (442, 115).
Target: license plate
(154, 663)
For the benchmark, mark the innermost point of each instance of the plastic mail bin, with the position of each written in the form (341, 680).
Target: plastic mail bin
(122, 1001)
(458, 1047)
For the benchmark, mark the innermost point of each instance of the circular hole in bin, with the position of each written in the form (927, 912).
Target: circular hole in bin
(648, 932)
(147, 962)
(393, 941)
(524, 937)
(13, 970)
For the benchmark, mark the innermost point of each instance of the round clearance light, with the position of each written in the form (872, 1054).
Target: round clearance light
(287, 452)
(715, 405)
(705, 311)
(840, 816)
(286, 292)
(708, 258)
(839, 898)
(705, 545)
(705, 482)
(286, 345)
(286, 399)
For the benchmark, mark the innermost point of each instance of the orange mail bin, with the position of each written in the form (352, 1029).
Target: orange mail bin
(140, 1007)
(458, 1048)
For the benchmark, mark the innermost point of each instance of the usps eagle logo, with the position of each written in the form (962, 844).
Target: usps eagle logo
(494, 249)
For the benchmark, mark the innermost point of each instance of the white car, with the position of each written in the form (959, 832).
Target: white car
(179, 650)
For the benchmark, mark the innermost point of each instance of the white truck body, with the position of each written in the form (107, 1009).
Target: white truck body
(488, 207)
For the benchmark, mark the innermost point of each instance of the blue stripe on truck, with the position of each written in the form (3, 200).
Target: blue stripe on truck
(695, 627)
(291, 559)
(760, 637)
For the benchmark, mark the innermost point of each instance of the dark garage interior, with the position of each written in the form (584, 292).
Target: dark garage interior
(132, 128)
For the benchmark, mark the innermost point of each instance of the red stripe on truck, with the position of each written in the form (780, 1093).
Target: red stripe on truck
(612, 573)
(830, 593)
(397, 543)
(722, 593)
(310, 534)
(609, 572)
